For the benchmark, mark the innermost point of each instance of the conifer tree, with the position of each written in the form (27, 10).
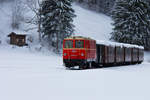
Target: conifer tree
(131, 21)
(57, 18)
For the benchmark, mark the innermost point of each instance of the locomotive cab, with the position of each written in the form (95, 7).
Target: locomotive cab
(77, 52)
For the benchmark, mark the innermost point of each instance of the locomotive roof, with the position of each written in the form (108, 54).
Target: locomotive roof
(79, 37)
(107, 43)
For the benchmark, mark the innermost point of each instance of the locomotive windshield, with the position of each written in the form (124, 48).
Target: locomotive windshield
(68, 44)
(79, 44)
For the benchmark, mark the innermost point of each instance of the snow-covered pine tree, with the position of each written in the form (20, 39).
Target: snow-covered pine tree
(131, 21)
(57, 18)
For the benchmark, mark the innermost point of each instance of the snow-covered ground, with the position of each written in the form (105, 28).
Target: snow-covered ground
(29, 75)
(26, 75)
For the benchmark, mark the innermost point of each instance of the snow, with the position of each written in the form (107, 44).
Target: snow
(110, 43)
(21, 32)
(91, 24)
(27, 74)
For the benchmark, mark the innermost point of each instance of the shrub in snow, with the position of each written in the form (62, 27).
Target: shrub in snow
(30, 39)
(131, 21)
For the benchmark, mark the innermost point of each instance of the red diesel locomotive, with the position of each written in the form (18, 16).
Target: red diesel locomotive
(78, 51)
(86, 53)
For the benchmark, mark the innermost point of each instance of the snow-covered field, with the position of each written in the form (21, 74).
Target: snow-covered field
(29, 75)
(26, 75)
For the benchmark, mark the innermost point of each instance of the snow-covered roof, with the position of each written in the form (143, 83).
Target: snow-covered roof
(21, 32)
(109, 43)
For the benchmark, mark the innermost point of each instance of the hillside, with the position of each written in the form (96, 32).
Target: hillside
(91, 24)
(97, 26)
(32, 75)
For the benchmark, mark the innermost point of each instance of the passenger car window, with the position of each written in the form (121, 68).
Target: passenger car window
(79, 44)
(68, 44)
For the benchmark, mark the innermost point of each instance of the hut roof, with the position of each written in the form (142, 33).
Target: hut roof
(13, 33)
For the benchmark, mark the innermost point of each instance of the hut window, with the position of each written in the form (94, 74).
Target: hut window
(20, 40)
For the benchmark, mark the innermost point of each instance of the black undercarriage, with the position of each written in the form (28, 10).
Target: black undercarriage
(83, 64)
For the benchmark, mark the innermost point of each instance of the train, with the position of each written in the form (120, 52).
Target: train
(86, 53)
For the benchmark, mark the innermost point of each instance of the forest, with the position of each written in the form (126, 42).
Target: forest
(131, 19)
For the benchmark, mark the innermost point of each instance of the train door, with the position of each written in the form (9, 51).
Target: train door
(100, 54)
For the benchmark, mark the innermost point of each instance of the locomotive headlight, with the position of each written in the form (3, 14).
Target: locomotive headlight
(82, 54)
(65, 54)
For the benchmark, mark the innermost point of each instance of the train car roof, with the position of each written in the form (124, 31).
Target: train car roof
(108, 43)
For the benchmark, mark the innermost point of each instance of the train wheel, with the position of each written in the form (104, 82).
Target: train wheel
(80, 67)
(83, 66)
(67, 65)
(139, 62)
(87, 65)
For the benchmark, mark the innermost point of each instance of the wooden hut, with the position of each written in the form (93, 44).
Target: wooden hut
(17, 39)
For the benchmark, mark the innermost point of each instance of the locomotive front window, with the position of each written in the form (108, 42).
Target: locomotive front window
(68, 44)
(79, 44)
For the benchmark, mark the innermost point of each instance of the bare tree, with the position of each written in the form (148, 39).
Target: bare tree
(35, 7)
(17, 14)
